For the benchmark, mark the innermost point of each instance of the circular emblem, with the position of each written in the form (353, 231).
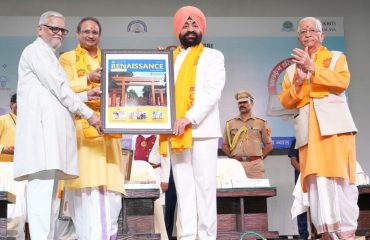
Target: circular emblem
(143, 144)
(287, 26)
(3, 80)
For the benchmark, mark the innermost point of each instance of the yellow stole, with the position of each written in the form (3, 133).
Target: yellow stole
(184, 98)
(83, 67)
(322, 59)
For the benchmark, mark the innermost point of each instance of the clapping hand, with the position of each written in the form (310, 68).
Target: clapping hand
(303, 60)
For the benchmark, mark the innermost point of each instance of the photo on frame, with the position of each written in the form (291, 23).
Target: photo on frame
(137, 91)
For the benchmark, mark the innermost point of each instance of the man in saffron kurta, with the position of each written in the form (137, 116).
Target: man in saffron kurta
(99, 156)
(315, 85)
(200, 78)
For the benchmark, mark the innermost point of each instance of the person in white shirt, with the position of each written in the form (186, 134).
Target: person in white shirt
(199, 80)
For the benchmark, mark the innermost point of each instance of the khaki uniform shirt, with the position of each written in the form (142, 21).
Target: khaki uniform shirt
(251, 142)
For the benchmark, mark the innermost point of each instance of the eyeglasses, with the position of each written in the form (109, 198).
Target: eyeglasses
(56, 30)
(310, 31)
(88, 32)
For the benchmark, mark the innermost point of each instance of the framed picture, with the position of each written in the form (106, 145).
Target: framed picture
(137, 92)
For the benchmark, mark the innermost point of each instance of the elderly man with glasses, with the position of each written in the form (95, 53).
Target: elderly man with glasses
(99, 155)
(45, 147)
(325, 132)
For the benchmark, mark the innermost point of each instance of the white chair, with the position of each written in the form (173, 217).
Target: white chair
(361, 177)
(230, 168)
(143, 172)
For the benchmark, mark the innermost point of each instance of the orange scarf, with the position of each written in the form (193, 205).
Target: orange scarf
(184, 98)
(322, 60)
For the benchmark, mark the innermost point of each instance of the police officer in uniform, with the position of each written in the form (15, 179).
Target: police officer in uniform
(246, 138)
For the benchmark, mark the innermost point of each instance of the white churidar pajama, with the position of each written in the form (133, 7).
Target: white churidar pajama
(195, 179)
(42, 204)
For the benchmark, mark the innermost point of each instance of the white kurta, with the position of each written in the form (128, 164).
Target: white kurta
(45, 134)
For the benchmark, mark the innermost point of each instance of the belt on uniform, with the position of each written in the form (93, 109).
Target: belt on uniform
(248, 158)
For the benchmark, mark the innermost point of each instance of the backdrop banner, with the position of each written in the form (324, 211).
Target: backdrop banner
(257, 50)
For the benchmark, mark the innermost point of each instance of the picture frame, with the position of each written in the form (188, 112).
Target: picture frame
(137, 92)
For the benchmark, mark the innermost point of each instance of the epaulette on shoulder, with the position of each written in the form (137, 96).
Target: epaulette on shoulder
(261, 119)
(230, 120)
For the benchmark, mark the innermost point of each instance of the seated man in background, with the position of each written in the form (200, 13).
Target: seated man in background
(146, 148)
(246, 138)
(16, 212)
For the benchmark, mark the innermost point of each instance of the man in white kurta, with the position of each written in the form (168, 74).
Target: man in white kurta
(46, 149)
(194, 157)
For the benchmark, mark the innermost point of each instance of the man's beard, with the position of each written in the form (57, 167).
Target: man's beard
(186, 42)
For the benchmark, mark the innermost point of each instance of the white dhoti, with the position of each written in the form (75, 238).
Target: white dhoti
(94, 211)
(333, 203)
(42, 204)
(194, 172)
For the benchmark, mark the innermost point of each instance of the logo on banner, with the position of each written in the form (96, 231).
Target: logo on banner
(3, 80)
(274, 107)
(137, 26)
(288, 26)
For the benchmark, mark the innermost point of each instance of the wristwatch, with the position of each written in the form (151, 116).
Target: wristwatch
(244, 158)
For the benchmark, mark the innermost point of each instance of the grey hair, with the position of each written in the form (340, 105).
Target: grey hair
(44, 17)
(317, 21)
